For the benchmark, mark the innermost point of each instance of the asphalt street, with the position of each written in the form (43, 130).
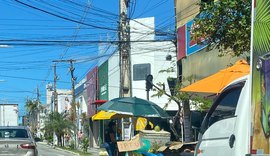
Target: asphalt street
(46, 150)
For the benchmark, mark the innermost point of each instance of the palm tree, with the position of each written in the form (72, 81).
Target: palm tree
(261, 28)
(85, 123)
(60, 124)
(32, 108)
(261, 42)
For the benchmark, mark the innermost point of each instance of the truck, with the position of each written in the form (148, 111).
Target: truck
(227, 125)
(9, 115)
(238, 122)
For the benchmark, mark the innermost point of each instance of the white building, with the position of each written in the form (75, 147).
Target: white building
(146, 58)
(42, 116)
(64, 98)
(81, 98)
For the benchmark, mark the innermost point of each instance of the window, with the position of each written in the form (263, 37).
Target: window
(225, 105)
(140, 71)
(13, 133)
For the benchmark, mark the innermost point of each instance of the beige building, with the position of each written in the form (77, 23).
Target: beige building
(195, 60)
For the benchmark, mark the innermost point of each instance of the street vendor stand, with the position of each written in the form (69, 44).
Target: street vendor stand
(127, 107)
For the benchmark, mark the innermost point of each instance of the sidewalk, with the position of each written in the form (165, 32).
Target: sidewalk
(94, 151)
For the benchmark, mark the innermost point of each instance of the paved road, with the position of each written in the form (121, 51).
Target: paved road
(45, 150)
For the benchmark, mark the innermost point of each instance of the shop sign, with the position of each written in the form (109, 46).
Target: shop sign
(130, 145)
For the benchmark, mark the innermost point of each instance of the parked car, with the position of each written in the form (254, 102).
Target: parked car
(17, 140)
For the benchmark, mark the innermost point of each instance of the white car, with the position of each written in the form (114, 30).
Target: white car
(17, 140)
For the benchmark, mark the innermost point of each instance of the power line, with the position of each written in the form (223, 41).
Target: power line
(64, 42)
(68, 19)
(28, 78)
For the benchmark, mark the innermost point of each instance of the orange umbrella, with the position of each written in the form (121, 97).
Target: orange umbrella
(216, 82)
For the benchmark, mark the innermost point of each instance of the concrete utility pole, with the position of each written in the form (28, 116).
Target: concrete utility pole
(124, 51)
(73, 79)
(54, 90)
(38, 113)
(124, 57)
(73, 104)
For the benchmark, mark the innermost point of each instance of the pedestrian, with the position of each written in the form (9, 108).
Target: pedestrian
(110, 139)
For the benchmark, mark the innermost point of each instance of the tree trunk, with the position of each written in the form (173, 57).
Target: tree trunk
(63, 140)
(187, 122)
(58, 139)
(176, 122)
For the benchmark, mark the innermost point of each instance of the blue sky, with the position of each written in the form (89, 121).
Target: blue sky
(31, 31)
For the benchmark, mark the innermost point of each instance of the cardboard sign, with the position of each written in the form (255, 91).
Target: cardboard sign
(130, 145)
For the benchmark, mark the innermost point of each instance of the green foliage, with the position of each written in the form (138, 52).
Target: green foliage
(200, 103)
(32, 108)
(59, 124)
(226, 25)
(169, 70)
(86, 126)
(85, 144)
(78, 152)
(155, 146)
(262, 28)
(49, 138)
(161, 92)
(83, 117)
(72, 145)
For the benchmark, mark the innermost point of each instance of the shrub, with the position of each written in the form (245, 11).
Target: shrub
(85, 144)
(72, 144)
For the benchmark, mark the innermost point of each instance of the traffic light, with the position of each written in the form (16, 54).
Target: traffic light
(149, 84)
(172, 82)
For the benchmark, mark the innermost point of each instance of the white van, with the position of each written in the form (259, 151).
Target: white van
(226, 129)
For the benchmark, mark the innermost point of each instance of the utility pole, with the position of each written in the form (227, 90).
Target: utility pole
(38, 94)
(54, 90)
(38, 112)
(124, 51)
(73, 104)
(124, 57)
(55, 99)
(73, 79)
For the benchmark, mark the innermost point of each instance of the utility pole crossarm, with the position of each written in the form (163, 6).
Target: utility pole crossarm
(69, 60)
